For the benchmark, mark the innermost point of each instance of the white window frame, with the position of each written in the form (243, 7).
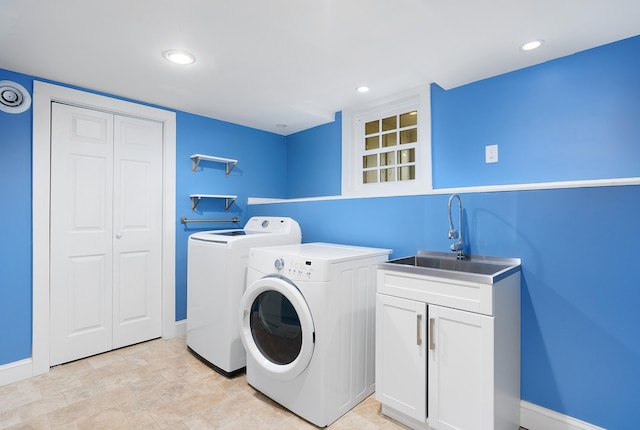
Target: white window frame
(353, 121)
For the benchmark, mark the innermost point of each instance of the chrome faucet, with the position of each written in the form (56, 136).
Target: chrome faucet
(454, 234)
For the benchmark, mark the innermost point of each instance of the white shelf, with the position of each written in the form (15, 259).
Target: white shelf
(197, 158)
(195, 199)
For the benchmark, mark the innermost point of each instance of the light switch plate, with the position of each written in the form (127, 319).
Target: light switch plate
(491, 153)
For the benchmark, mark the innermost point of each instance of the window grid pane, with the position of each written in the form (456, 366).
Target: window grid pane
(406, 173)
(372, 142)
(369, 161)
(387, 133)
(372, 127)
(387, 158)
(389, 123)
(408, 136)
(388, 175)
(409, 119)
(370, 177)
(406, 156)
(389, 139)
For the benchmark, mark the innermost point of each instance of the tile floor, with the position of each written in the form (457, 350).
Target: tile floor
(154, 385)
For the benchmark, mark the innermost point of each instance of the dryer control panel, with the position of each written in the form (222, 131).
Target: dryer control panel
(300, 269)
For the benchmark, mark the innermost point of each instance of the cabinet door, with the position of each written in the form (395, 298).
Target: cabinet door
(461, 372)
(401, 355)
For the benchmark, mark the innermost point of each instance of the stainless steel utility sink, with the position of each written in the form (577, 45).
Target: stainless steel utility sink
(487, 270)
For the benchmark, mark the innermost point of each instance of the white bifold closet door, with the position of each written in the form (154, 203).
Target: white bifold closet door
(106, 238)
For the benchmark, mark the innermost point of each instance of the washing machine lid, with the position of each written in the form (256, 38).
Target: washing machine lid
(255, 226)
(276, 327)
(218, 236)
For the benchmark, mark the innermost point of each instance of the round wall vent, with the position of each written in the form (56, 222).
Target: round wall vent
(14, 98)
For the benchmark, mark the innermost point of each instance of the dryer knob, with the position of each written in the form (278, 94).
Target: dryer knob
(279, 263)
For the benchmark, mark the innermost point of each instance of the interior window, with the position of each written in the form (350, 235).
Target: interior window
(387, 146)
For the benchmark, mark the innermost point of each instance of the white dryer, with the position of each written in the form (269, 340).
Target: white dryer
(216, 277)
(307, 323)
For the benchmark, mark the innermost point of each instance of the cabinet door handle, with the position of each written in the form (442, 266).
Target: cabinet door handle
(418, 324)
(432, 323)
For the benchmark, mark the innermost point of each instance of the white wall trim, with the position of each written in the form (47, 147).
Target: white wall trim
(16, 371)
(43, 95)
(595, 183)
(181, 327)
(534, 417)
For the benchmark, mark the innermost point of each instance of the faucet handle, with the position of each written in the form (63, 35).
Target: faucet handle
(453, 234)
(458, 248)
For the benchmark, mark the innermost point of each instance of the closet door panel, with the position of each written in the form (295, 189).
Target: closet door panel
(137, 224)
(81, 233)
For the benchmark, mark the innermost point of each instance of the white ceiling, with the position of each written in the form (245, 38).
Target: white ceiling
(294, 62)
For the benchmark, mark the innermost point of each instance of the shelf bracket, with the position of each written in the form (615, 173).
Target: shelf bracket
(228, 204)
(195, 162)
(194, 202)
(232, 164)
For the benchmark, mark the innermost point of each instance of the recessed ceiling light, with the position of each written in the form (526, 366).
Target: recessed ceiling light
(534, 44)
(362, 89)
(178, 57)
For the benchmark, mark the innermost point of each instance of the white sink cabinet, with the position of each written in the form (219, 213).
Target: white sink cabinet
(401, 356)
(448, 350)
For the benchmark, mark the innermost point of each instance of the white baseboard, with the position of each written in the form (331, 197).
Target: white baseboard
(534, 417)
(181, 327)
(16, 371)
(23, 369)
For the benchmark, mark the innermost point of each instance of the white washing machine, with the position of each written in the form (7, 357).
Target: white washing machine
(216, 277)
(307, 323)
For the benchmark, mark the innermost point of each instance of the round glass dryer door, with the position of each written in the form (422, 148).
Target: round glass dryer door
(277, 328)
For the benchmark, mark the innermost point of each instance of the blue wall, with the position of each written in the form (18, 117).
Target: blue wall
(261, 170)
(15, 230)
(314, 161)
(570, 119)
(581, 354)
